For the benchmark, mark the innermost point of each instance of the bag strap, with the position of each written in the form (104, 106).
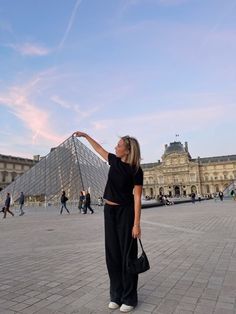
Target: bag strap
(140, 242)
(131, 243)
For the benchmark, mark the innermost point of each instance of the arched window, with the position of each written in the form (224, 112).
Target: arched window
(193, 189)
(177, 191)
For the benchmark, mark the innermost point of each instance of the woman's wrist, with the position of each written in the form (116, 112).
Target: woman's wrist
(136, 225)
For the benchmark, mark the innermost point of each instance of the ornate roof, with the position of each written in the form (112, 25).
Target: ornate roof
(150, 165)
(174, 147)
(215, 159)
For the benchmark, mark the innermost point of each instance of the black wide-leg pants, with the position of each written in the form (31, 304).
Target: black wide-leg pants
(119, 222)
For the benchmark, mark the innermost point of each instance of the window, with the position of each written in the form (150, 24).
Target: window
(192, 177)
(176, 180)
(175, 161)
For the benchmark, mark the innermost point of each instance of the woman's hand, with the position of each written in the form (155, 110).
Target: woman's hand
(79, 134)
(136, 231)
(99, 149)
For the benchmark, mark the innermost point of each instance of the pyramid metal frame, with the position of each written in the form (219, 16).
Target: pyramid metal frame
(71, 167)
(230, 187)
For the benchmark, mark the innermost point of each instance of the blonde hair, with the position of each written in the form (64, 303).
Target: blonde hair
(132, 145)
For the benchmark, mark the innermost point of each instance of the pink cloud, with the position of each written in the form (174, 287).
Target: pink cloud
(75, 107)
(30, 49)
(36, 119)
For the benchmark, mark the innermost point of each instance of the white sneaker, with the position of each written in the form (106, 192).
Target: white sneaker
(113, 305)
(126, 308)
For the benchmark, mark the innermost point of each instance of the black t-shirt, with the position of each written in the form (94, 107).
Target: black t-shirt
(121, 181)
(88, 199)
(64, 198)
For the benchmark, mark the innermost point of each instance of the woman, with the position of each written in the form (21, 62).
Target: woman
(88, 203)
(21, 203)
(122, 212)
(7, 206)
(64, 199)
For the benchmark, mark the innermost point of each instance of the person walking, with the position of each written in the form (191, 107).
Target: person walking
(122, 213)
(64, 199)
(7, 206)
(221, 195)
(232, 193)
(193, 197)
(81, 201)
(21, 203)
(88, 203)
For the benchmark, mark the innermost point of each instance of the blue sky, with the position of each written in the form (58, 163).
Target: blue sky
(147, 68)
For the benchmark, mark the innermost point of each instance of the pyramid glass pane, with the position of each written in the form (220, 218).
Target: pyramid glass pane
(71, 167)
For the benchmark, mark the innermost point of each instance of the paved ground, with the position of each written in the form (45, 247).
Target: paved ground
(55, 264)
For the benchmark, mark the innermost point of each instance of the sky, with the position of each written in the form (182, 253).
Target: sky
(152, 69)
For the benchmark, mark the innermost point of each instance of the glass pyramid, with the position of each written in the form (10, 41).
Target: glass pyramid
(230, 188)
(71, 167)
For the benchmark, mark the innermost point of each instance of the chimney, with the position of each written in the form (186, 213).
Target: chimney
(36, 157)
(186, 146)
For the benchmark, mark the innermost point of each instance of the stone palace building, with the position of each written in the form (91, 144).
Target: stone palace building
(178, 174)
(11, 167)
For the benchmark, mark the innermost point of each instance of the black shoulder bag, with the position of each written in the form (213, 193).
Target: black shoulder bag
(139, 264)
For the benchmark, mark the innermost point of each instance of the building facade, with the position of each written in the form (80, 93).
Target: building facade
(178, 174)
(11, 167)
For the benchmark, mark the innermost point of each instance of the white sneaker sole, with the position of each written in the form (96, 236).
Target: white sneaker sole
(113, 306)
(126, 308)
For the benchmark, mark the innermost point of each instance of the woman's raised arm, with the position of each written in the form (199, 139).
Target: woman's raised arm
(96, 146)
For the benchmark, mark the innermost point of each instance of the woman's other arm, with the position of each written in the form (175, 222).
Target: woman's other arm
(136, 231)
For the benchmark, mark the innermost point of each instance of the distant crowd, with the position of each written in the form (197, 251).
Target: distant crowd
(168, 200)
(85, 201)
(83, 206)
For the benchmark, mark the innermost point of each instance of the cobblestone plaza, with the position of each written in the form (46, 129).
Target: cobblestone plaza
(53, 263)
